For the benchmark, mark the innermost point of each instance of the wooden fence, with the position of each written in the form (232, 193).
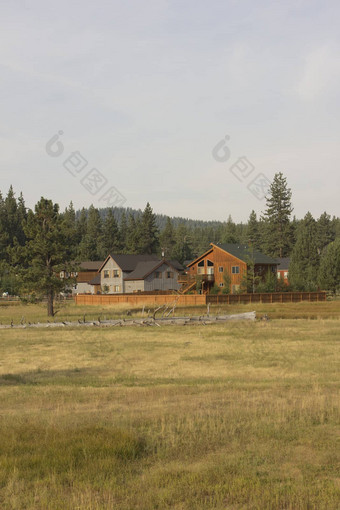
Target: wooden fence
(198, 299)
(140, 299)
(274, 297)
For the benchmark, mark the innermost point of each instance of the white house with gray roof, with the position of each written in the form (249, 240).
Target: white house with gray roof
(126, 273)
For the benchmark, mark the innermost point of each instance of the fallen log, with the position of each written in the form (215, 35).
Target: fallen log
(150, 321)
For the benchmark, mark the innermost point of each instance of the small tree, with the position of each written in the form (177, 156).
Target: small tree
(227, 283)
(268, 284)
(215, 289)
(199, 281)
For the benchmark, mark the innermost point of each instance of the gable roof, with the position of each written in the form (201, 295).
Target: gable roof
(245, 252)
(143, 269)
(176, 265)
(96, 280)
(90, 265)
(240, 251)
(283, 263)
(200, 257)
(127, 261)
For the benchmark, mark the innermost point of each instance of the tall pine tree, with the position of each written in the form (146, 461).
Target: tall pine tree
(277, 232)
(253, 233)
(167, 239)
(45, 253)
(304, 265)
(149, 235)
(110, 238)
(329, 272)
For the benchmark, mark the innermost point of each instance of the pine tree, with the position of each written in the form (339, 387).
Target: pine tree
(132, 236)
(325, 231)
(81, 228)
(123, 232)
(4, 236)
(304, 265)
(183, 247)
(253, 233)
(167, 239)
(21, 218)
(69, 227)
(277, 232)
(45, 253)
(149, 238)
(90, 247)
(229, 234)
(329, 272)
(111, 241)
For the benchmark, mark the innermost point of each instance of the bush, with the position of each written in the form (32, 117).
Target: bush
(215, 289)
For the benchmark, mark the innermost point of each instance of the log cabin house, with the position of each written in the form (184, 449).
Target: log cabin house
(233, 260)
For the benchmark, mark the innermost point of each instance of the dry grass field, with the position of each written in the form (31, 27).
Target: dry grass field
(225, 416)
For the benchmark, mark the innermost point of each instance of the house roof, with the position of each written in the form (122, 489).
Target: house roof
(200, 257)
(240, 251)
(90, 265)
(128, 262)
(283, 263)
(143, 269)
(186, 263)
(244, 252)
(176, 265)
(96, 280)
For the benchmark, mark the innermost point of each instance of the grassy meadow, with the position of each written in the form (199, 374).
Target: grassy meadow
(224, 416)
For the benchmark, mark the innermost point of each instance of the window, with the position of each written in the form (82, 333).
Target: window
(116, 288)
(235, 269)
(62, 274)
(285, 274)
(220, 269)
(278, 274)
(221, 284)
(158, 274)
(116, 273)
(106, 273)
(169, 274)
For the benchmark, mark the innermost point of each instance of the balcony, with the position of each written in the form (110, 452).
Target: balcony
(189, 278)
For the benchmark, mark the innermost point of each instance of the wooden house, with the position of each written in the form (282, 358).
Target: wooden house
(225, 264)
(283, 269)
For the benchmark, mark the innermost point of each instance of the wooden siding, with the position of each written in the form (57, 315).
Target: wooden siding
(111, 281)
(220, 258)
(85, 276)
(282, 273)
(163, 283)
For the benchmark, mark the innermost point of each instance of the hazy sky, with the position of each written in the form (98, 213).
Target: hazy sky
(144, 90)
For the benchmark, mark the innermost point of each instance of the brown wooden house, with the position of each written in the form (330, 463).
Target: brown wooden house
(283, 270)
(211, 267)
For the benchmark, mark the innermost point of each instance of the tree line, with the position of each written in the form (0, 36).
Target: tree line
(35, 244)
